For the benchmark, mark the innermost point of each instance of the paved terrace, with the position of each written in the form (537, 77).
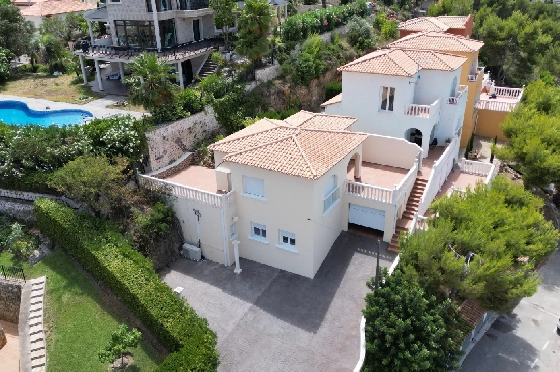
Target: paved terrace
(377, 174)
(198, 177)
(271, 320)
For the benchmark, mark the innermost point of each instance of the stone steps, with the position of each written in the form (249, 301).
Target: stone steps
(34, 330)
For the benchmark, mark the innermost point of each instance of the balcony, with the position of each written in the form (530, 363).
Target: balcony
(500, 98)
(461, 92)
(422, 111)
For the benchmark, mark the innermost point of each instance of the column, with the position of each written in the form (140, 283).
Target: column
(83, 69)
(98, 71)
(121, 68)
(201, 29)
(156, 25)
(236, 253)
(285, 12)
(91, 33)
(180, 71)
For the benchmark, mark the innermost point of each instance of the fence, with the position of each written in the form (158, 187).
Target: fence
(12, 273)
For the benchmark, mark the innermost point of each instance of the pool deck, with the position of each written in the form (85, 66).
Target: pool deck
(97, 107)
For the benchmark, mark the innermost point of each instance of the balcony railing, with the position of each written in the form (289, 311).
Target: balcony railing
(494, 105)
(472, 78)
(368, 191)
(422, 111)
(178, 51)
(455, 100)
(477, 168)
(507, 92)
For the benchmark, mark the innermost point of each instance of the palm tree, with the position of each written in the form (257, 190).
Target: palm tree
(152, 83)
(51, 49)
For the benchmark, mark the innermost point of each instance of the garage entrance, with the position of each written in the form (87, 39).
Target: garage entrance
(366, 217)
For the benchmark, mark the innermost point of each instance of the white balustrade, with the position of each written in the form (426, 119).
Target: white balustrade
(403, 189)
(422, 111)
(182, 191)
(472, 78)
(496, 105)
(452, 101)
(508, 92)
(368, 191)
(476, 167)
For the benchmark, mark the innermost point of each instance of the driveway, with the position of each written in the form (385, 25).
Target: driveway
(272, 320)
(525, 339)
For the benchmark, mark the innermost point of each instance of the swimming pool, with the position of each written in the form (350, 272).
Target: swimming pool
(18, 113)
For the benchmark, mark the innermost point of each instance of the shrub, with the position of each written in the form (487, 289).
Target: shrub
(300, 26)
(305, 69)
(103, 251)
(153, 224)
(5, 56)
(390, 31)
(191, 99)
(171, 111)
(359, 33)
(333, 89)
(214, 86)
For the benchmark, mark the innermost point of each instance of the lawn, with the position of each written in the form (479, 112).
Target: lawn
(78, 320)
(66, 88)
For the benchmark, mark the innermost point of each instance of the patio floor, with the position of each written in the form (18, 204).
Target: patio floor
(201, 178)
(9, 355)
(377, 174)
(461, 181)
(272, 320)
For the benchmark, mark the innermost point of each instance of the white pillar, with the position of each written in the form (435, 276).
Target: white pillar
(180, 71)
(121, 68)
(98, 71)
(201, 30)
(285, 12)
(83, 69)
(236, 253)
(91, 33)
(156, 25)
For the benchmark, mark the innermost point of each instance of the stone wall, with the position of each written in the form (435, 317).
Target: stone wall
(280, 94)
(19, 209)
(180, 164)
(10, 298)
(268, 73)
(170, 141)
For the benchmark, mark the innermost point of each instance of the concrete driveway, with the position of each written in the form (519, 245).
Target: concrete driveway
(271, 320)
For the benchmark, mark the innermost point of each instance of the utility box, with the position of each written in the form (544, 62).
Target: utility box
(191, 252)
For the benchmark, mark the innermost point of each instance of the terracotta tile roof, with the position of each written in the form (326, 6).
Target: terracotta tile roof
(332, 101)
(307, 145)
(471, 312)
(52, 7)
(442, 23)
(307, 153)
(439, 41)
(403, 62)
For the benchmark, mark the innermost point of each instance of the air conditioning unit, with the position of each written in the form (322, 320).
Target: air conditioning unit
(191, 252)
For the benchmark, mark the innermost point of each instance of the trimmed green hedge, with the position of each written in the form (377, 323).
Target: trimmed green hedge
(102, 250)
(301, 25)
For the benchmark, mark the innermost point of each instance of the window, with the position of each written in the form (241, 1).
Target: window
(258, 232)
(287, 238)
(135, 34)
(232, 231)
(387, 98)
(332, 193)
(253, 186)
(161, 5)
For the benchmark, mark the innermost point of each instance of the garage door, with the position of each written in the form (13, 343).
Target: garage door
(368, 217)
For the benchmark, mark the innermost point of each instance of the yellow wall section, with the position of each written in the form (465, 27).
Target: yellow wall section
(489, 124)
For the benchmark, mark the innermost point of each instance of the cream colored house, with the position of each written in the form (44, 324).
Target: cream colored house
(404, 93)
(286, 189)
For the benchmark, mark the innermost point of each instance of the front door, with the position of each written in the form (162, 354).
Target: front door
(196, 29)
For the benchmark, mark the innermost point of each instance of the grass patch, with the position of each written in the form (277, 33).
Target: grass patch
(78, 319)
(129, 107)
(59, 89)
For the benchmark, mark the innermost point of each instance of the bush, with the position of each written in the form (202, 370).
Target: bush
(332, 89)
(104, 252)
(153, 224)
(168, 112)
(390, 31)
(5, 56)
(359, 33)
(300, 26)
(191, 99)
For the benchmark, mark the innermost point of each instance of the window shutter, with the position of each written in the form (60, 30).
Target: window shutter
(254, 186)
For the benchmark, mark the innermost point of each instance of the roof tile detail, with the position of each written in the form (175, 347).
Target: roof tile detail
(471, 312)
(439, 41)
(442, 23)
(403, 62)
(51, 7)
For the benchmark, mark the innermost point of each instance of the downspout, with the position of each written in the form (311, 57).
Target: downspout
(224, 235)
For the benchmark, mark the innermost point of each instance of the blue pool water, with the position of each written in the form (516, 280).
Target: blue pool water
(18, 113)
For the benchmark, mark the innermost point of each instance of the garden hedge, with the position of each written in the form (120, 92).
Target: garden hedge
(301, 25)
(101, 249)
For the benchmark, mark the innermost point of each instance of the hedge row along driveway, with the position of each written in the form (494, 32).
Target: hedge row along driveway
(102, 250)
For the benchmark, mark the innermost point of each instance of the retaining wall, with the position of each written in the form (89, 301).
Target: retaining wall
(10, 300)
(169, 141)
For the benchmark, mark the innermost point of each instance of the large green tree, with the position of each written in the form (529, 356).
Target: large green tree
(478, 245)
(408, 329)
(451, 8)
(254, 25)
(16, 33)
(534, 133)
(151, 83)
(224, 16)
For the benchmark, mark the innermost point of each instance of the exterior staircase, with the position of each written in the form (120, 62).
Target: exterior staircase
(408, 215)
(208, 68)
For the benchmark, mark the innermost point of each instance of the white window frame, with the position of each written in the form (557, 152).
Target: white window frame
(332, 195)
(253, 193)
(390, 104)
(260, 237)
(290, 244)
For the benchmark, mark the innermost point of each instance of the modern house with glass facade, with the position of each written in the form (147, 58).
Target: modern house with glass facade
(181, 31)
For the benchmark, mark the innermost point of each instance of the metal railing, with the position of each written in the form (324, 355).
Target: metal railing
(11, 273)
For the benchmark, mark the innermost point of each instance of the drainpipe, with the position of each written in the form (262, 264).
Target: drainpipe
(198, 215)
(223, 212)
(156, 25)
